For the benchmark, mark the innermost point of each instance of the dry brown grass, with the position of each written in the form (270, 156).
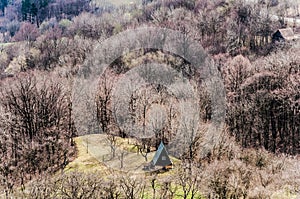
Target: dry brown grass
(85, 161)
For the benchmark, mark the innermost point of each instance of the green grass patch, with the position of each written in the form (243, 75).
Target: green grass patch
(4, 45)
(285, 193)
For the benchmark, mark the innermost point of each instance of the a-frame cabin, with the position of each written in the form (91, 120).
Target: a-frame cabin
(285, 34)
(161, 157)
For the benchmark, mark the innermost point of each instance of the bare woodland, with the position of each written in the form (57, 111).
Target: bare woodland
(144, 95)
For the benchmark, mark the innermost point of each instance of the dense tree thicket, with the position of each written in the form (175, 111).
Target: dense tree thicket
(261, 80)
(263, 101)
(36, 11)
(223, 28)
(36, 130)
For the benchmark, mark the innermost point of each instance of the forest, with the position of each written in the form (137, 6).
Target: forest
(205, 77)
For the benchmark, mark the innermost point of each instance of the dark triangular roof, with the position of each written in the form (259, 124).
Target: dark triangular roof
(286, 33)
(161, 157)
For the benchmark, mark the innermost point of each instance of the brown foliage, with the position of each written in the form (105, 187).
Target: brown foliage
(263, 104)
(27, 32)
(36, 129)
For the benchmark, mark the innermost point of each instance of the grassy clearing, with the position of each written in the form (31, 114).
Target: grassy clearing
(98, 147)
(87, 162)
(84, 161)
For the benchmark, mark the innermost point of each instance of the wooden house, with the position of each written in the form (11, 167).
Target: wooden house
(282, 35)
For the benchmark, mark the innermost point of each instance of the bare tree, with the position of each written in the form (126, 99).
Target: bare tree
(132, 186)
(69, 185)
(189, 132)
(262, 105)
(103, 100)
(112, 140)
(157, 122)
(38, 129)
(168, 189)
(27, 32)
(121, 155)
(189, 181)
(78, 185)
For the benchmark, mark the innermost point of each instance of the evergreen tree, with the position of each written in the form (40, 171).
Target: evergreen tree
(34, 10)
(25, 9)
(3, 4)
